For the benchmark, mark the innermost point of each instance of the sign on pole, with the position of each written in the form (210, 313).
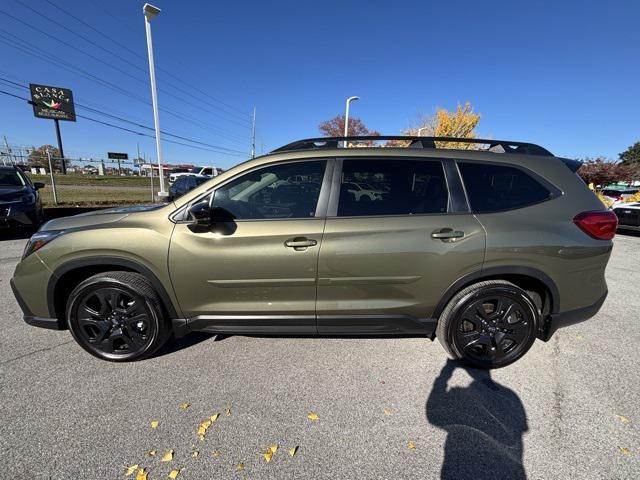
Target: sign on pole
(54, 103)
(117, 156)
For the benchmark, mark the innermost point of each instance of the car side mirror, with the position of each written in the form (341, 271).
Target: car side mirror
(38, 185)
(200, 215)
(223, 221)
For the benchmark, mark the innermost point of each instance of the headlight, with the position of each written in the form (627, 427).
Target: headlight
(39, 240)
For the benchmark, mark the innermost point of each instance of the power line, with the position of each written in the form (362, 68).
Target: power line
(123, 72)
(215, 150)
(32, 50)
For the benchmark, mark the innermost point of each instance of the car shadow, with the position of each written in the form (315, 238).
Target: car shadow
(193, 338)
(484, 421)
(16, 234)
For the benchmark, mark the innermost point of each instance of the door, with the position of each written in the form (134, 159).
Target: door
(386, 260)
(258, 273)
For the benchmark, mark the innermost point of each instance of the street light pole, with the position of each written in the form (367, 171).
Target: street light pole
(150, 12)
(346, 117)
(420, 131)
(253, 134)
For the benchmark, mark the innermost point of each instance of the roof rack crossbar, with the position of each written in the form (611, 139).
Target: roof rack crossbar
(324, 143)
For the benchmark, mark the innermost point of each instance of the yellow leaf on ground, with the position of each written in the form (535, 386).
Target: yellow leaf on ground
(227, 412)
(240, 467)
(168, 456)
(580, 337)
(313, 416)
(132, 469)
(274, 448)
(268, 455)
(623, 419)
(216, 453)
(141, 474)
(195, 454)
(388, 412)
(625, 451)
(184, 406)
(152, 453)
(154, 423)
(293, 451)
(173, 474)
(411, 445)
(214, 417)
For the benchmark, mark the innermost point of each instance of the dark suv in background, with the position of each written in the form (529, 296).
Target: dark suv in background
(485, 249)
(20, 204)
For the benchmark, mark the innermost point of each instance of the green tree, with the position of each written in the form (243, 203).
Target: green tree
(631, 154)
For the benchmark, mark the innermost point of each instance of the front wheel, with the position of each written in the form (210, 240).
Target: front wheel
(117, 316)
(489, 324)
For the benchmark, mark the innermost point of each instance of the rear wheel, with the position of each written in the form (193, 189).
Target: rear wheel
(489, 324)
(117, 316)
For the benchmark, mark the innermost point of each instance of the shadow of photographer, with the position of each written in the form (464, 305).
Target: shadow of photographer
(484, 422)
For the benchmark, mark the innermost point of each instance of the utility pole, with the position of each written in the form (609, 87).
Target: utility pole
(8, 152)
(253, 135)
(63, 166)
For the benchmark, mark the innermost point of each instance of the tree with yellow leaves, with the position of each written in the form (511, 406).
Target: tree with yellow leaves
(461, 124)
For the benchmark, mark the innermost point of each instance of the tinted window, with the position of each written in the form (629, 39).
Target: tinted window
(492, 188)
(272, 192)
(11, 178)
(392, 187)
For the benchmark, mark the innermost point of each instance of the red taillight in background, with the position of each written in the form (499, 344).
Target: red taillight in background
(600, 225)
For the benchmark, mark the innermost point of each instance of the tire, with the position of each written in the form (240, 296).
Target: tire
(489, 324)
(117, 316)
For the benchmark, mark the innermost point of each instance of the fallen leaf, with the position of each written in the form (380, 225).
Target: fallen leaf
(195, 454)
(214, 417)
(227, 412)
(623, 419)
(293, 451)
(216, 453)
(388, 412)
(154, 423)
(184, 406)
(173, 474)
(141, 474)
(313, 416)
(274, 448)
(240, 467)
(152, 453)
(580, 337)
(268, 455)
(411, 445)
(625, 451)
(132, 469)
(202, 428)
(168, 456)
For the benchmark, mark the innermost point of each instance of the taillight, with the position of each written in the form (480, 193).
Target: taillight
(600, 225)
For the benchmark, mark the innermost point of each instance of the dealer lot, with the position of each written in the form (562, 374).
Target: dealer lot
(568, 409)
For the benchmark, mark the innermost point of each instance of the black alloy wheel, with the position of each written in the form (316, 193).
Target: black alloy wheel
(489, 325)
(116, 316)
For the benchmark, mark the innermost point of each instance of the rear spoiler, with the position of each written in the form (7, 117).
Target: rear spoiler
(573, 165)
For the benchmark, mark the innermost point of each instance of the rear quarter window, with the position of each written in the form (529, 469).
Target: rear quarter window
(493, 188)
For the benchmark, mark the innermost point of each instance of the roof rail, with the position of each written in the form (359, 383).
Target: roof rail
(496, 146)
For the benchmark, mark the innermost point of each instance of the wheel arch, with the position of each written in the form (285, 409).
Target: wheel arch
(67, 276)
(526, 278)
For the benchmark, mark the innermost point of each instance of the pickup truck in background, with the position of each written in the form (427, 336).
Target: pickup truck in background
(196, 171)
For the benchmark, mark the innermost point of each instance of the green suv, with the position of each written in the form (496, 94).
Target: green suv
(486, 248)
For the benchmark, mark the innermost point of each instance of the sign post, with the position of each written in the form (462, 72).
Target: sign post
(56, 104)
(118, 156)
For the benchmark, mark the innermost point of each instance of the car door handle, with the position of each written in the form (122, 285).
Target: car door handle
(447, 234)
(300, 243)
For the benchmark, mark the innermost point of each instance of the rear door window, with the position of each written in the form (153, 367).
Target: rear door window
(492, 188)
(392, 187)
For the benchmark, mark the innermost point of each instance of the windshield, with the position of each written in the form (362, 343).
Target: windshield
(11, 178)
(195, 169)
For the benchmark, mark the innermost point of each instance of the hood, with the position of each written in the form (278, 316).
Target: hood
(97, 217)
(10, 192)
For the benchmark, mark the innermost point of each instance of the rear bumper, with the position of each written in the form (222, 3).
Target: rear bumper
(571, 317)
(29, 317)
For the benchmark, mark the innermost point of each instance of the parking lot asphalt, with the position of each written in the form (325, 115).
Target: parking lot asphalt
(569, 409)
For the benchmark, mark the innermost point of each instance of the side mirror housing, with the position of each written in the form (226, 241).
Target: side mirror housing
(38, 185)
(200, 215)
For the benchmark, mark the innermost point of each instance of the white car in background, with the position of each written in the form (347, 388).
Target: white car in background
(196, 171)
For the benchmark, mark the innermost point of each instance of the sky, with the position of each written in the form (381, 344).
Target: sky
(563, 74)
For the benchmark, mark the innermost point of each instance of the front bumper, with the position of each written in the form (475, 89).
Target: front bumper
(16, 216)
(29, 317)
(570, 317)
